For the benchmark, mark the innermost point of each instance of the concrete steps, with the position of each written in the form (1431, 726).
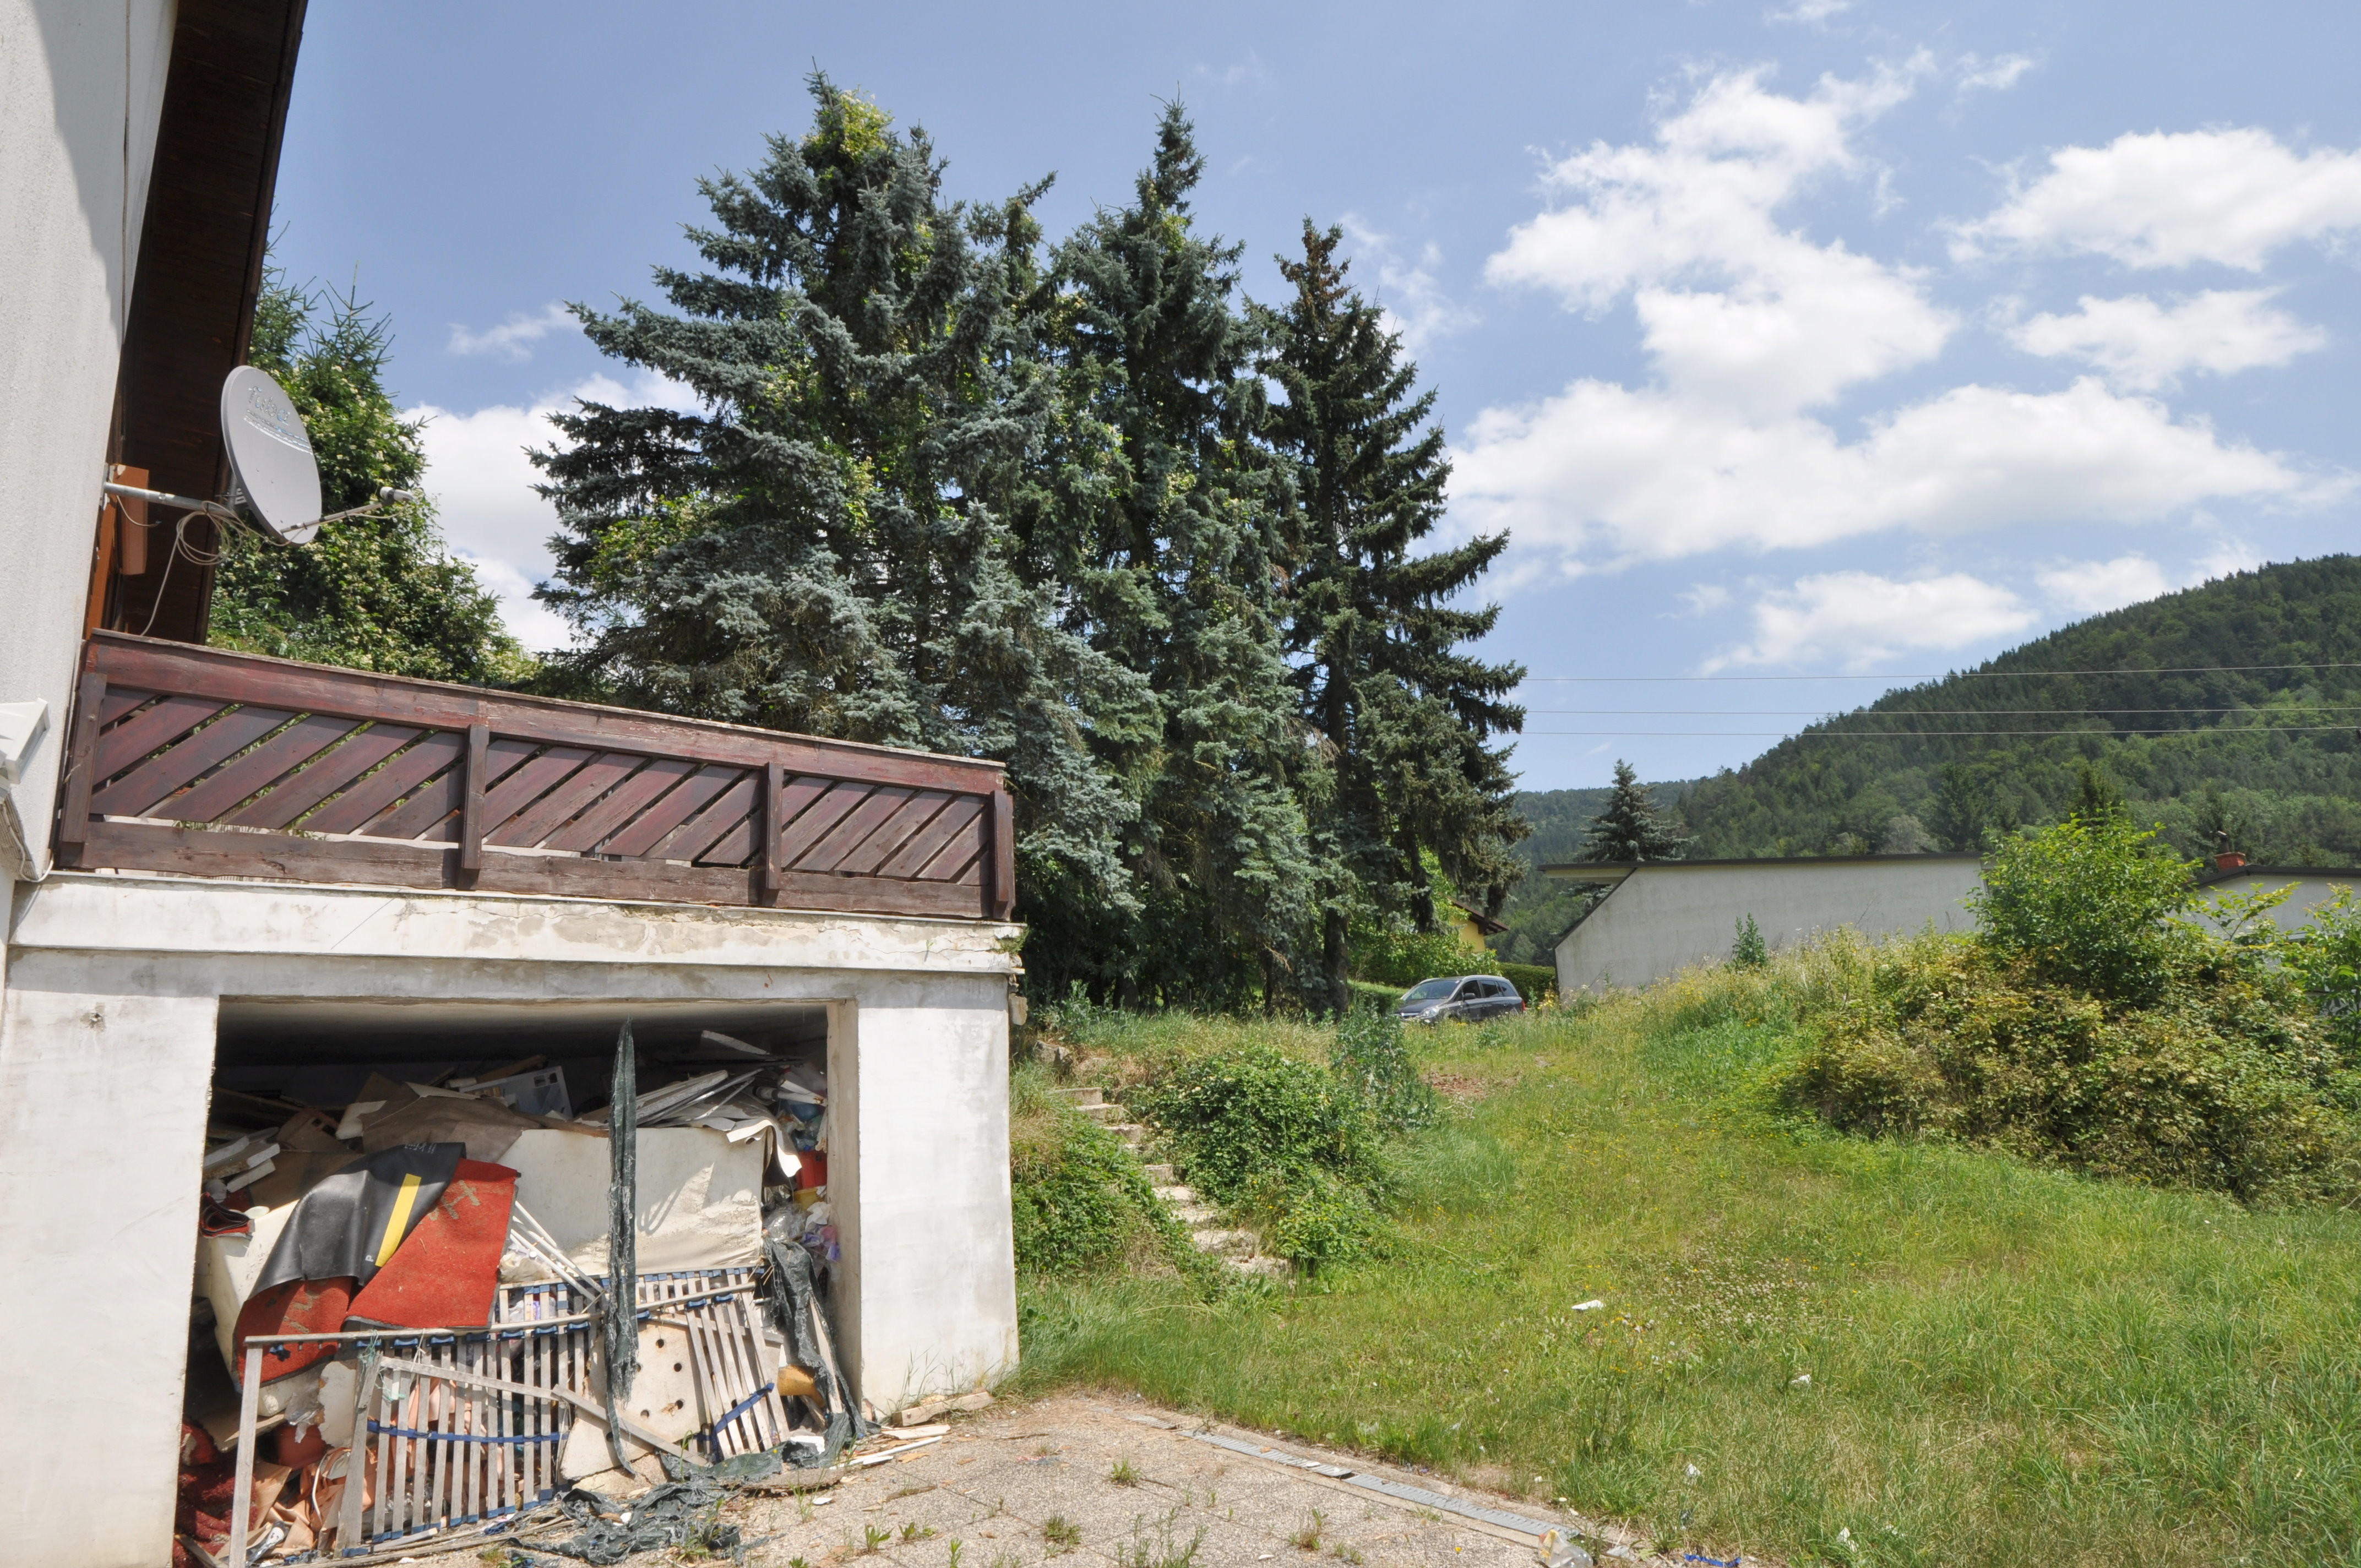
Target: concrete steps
(1236, 1249)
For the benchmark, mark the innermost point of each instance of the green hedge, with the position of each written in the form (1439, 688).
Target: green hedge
(1534, 982)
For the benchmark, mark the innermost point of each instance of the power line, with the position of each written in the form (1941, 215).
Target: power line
(1921, 712)
(1932, 734)
(1961, 674)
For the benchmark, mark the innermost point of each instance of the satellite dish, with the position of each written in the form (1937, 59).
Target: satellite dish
(271, 456)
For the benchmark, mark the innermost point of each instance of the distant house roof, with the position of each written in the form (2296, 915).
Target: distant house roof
(1483, 922)
(1615, 870)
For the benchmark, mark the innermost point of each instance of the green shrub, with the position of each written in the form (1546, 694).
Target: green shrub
(1242, 1115)
(1079, 1201)
(2218, 1084)
(1405, 958)
(1372, 1059)
(2088, 903)
(1316, 1222)
(1749, 951)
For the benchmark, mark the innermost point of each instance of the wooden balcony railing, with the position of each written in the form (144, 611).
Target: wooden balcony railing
(210, 763)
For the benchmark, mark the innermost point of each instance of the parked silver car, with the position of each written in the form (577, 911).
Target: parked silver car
(1463, 999)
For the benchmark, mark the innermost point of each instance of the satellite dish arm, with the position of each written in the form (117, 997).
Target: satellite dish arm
(214, 509)
(386, 496)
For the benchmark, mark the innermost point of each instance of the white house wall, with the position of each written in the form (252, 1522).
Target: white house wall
(103, 1130)
(1662, 918)
(82, 87)
(2310, 890)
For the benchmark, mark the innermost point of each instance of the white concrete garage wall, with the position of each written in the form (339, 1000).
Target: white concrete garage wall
(101, 1130)
(82, 87)
(1665, 917)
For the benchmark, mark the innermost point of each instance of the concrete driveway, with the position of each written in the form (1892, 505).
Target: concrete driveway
(1087, 1482)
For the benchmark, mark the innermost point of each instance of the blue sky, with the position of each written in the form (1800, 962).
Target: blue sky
(1812, 342)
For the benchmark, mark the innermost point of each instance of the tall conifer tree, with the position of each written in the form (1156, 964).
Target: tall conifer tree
(1376, 649)
(1160, 516)
(823, 547)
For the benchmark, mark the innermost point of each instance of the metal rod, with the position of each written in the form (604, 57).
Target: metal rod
(241, 1507)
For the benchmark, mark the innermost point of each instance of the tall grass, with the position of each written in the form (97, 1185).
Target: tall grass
(1870, 1353)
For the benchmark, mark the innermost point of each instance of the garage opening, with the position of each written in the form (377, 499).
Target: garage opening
(404, 1265)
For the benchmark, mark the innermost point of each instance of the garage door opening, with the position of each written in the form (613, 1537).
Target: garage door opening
(405, 1254)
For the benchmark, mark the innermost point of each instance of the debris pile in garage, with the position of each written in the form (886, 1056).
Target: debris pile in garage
(398, 1334)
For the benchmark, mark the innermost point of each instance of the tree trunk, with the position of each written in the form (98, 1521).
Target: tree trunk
(1336, 961)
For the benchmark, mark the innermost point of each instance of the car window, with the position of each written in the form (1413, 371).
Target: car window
(1498, 988)
(1428, 989)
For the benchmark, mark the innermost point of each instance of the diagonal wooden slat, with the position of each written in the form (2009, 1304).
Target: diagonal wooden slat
(428, 814)
(528, 783)
(590, 831)
(816, 822)
(120, 701)
(854, 830)
(692, 839)
(281, 754)
(960, 817)
(973, 875)
(159, 727)
(562, 804)
(721, 835)
(138, 791)
(650, 827)
(888, 838)
(291, 798)
(372, 795)
(957, 860)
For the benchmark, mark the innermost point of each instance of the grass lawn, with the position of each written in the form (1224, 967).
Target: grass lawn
(2004, 1364)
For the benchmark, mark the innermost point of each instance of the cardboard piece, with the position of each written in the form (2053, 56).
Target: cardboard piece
(700, 1200)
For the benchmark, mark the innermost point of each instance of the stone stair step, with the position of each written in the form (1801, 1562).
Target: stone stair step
(1269, 1268)
(1131, 1133)
(1175, 1193)
(1160, 1176)
(1195, 1213)
(1239, 1242)
(1084, 1097)
(1105, 1115)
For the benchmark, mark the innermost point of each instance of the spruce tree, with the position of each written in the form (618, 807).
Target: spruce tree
(1631, 828)
(824, 546)
(1159, 516)
(1375, 647)
(380, 592)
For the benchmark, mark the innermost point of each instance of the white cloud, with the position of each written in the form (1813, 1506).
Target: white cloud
(510, 339)
(482, 484)
(2092, 587)
(1980, 75)
(2144, 346)
(1413, 302)
(2171, 199)
(1733, 308)
(1863, 620)
(1750, 325)
(1811, 13)
(1651, 475)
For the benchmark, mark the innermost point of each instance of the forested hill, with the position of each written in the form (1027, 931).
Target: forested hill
(2186, 703)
